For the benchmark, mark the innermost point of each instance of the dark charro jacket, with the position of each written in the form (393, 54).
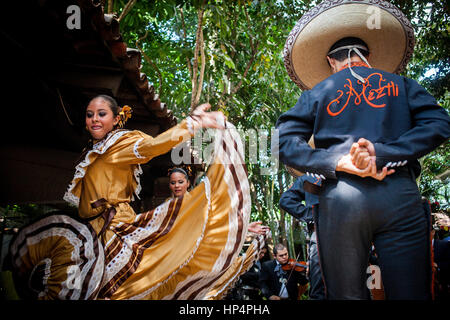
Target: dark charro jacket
(395, 113)
(291, 199)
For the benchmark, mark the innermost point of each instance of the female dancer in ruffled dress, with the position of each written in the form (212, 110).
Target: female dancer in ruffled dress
(179, 250)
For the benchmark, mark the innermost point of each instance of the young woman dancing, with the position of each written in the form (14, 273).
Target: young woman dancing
(179, 250)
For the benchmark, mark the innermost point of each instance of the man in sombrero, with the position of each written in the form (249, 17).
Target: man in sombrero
(370, 126)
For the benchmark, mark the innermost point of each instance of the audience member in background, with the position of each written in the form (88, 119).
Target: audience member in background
(279, 284)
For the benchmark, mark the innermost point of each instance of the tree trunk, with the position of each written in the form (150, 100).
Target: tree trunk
(254, 195)
(110, 6)
(197, 80)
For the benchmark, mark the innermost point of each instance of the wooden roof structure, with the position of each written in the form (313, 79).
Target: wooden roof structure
(50, 72)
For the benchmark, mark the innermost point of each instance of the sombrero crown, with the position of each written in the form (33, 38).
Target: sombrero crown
(387, 32)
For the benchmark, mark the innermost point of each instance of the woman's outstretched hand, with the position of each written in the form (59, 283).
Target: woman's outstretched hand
(258, 228)
(204, 119)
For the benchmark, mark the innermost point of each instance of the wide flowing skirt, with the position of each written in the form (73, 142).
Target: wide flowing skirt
(186, 248)
(57, 257)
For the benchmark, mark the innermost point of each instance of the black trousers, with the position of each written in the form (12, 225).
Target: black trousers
(316, 291)
(353, 213)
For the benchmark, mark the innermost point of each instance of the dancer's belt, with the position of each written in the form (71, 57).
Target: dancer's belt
(107, 214)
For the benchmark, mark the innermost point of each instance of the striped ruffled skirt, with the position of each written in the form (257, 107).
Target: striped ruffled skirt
(186, 248)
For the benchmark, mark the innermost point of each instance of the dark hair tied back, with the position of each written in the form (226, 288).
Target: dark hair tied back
(180, 170)
(111, 101)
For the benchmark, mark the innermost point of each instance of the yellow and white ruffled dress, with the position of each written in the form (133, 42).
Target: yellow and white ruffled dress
(187, 248)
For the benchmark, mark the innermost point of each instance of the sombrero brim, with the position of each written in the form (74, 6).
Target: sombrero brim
(385, 29)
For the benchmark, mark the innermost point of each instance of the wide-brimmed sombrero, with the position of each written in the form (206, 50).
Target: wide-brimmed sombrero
(381, 25)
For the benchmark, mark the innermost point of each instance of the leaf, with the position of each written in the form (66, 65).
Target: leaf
(229, 62)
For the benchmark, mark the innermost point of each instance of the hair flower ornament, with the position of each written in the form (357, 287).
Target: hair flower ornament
(124, 114)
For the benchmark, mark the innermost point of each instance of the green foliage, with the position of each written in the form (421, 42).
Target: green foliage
(433, 165)
(17, 216)
(430, 65)
(246, 79)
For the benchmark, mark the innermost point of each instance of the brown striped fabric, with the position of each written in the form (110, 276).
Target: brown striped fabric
(71, 253)
(111, 286)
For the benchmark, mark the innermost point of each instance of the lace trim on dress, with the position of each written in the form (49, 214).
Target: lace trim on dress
(99, 148)
(137, 173)
(135, 149)
(138, 170)
(47, 262)
(190, 125)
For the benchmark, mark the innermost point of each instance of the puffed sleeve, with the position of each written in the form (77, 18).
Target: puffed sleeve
(431, 128)
(295, 127)
(137, 147)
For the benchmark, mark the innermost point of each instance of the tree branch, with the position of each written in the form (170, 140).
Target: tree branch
(249, 24)
(184, 42)
(247, 69)
(254, 47)
(196, 52)
(202, 69)
(160, 89)
(127, 9)
(254, 195)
